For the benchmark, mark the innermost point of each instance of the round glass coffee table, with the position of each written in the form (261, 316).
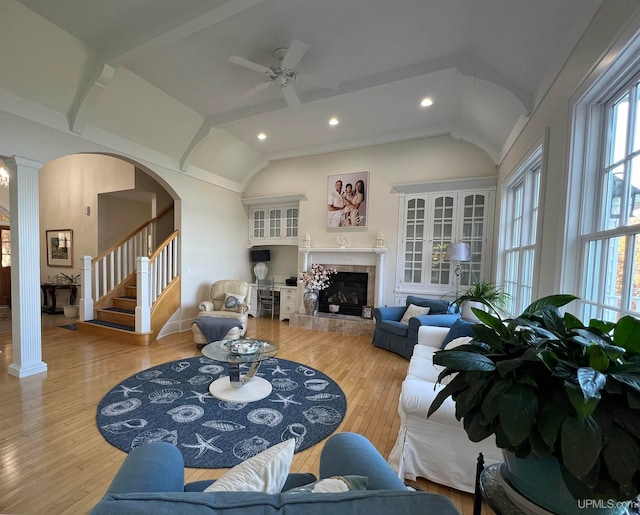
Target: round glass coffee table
(237, 387)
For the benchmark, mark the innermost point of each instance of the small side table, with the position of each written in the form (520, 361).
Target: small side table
(49, 292)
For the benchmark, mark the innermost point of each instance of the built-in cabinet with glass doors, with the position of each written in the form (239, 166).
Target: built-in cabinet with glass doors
(429, 222)
(273, 224)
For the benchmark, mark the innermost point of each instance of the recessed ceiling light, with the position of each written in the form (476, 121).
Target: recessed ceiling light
(426, 102)
(333, 121)
(262, 136)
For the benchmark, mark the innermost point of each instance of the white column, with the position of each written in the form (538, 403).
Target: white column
(25, 268)
(381, 276)
(86, 293)
(143, 308)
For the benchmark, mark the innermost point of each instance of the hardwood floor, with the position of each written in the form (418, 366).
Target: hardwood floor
(54, 460)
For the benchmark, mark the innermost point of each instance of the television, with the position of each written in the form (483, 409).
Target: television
(259, 256)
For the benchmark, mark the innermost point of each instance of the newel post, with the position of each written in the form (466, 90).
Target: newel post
(143, 309)
(86, 295)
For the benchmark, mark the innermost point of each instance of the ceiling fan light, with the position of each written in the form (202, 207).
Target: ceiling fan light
(262, 136)
(426, 102)
(333, 121)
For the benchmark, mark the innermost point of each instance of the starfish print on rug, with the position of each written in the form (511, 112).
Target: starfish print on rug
(279, 370)
(200, 396)
(285, 400)
(128, 390)
(204, 445)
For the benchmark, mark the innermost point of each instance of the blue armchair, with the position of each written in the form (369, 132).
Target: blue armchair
(392, 334)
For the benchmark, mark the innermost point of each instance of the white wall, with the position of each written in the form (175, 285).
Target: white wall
(554, 114)
(416, 161)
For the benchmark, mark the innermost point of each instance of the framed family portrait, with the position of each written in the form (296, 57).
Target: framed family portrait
(347, 200)
(367, 312)
(59, 247)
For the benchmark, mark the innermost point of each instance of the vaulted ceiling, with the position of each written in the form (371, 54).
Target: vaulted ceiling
(157, 72)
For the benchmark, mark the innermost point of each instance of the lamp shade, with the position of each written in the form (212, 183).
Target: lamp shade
(458, 251)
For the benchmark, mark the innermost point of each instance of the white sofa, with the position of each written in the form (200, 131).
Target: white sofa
(436, 448)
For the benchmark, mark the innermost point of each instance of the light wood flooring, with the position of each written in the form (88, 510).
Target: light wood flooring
(53, 459)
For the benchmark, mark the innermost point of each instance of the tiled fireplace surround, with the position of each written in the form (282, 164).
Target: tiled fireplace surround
(370, 261)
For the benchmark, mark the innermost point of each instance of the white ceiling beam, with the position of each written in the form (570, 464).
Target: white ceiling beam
(204, 134)
(97, 77)
(124, 53)
(466, 64)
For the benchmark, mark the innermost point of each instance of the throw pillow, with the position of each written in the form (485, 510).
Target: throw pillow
(333, 484)
(463, 340)
(232, 302)
(264, 472)
(413, 311)
(459, 328)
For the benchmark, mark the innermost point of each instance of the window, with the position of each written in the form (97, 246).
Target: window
(610, 235)
(519, 232)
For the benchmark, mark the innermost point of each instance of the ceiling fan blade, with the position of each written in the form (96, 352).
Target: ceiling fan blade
(295, 52)
(241, 61)
(290, 95)
(256, 89)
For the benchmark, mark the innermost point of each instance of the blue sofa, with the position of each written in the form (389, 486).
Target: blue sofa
(398, 337)
(151, 481)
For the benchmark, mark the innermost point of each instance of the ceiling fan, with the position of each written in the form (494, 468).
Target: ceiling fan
(282, 74)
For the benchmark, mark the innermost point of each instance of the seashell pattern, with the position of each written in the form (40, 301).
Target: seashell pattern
(179, 367)
(295, 431)
(186, 414)
(316, 384)
(283, 384)
(248, 448)
(118, 408)
(172, 403)
(149, 374)
(163, 381)
(211, 369)
(223, 425)
(165, 396)
(124, 426)
(322, 415)
(155, 435)
(265, 416)
(196, 380)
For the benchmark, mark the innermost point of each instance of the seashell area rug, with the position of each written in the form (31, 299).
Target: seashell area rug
(172, 403)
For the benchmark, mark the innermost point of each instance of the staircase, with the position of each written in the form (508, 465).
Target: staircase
(127, 296)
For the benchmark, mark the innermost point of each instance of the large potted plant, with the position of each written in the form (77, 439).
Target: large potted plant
(554, 392)
(481, 294)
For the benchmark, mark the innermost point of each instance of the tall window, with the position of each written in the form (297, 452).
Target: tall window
(521, 207)
(610, 237)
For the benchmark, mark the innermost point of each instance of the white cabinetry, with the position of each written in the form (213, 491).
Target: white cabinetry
(273, 220)
(287, 302)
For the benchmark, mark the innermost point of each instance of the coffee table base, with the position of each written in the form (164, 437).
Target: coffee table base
(253, 390)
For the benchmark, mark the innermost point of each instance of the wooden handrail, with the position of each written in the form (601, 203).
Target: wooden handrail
(163, 245)
(131, 235)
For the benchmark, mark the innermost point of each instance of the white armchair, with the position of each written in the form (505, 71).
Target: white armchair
(227, 298)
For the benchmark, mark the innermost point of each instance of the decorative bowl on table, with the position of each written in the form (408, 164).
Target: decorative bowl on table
(243, 346)
(334, 308)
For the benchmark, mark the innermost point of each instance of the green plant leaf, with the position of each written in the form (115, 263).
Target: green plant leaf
(457, 384)
(604, 326)
(552, 320)
(631, 380)
(591, 382)
(581, 443)
(572, 322)
(491, 321)
(550, 421)
(598, 359)
(622, 457)
(558, 301)
(491, 403)
(628, 420)
(633, 399)
(518, 408)
(627, 333)
(583, 407)
(538, 445)
(488, 336)
(476, 430)
(463, 361)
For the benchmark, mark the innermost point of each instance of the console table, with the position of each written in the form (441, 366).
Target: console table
(49, 293)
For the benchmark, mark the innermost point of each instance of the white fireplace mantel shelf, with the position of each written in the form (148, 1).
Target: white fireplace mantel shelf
(373, 256)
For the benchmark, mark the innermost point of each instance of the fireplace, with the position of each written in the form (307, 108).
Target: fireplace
(348, 290)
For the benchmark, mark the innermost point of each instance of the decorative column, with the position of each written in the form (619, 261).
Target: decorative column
(143, 308)
(26, 320)
(86, 294)
(381, 274)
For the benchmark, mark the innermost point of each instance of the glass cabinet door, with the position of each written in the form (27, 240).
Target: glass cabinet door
(473, 216)
(442, 225)
(275, 223)
(258, 221)
(291, 223)
(414, 241)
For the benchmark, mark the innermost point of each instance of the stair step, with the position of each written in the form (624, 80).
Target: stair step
(127, 303)
(116, 315)
(121, 310)
(113, 325)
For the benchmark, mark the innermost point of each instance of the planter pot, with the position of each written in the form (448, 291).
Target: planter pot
(310, 301)
(71, 311)
(540, 481)
(469, 315)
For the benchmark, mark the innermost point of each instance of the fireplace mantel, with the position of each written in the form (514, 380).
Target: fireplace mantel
(374, 256)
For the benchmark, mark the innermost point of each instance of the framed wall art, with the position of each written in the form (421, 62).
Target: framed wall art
(367, 312)
(347, 200)
(59, 247)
